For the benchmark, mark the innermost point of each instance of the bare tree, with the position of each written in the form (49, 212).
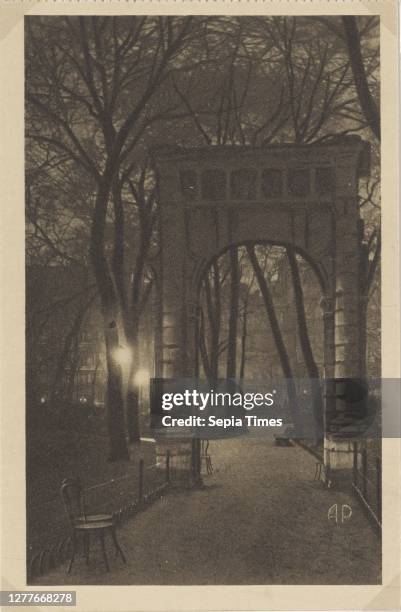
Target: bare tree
(310, 363)
(277, 335)
(80, 74)
(366, 100)
(245, 312)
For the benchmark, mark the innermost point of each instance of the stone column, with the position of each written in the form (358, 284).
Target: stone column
(177, 313)
(327, 305)
(347, 362)
(338, 451)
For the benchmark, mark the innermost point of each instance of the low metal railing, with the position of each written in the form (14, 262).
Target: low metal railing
(49, 557)
(367, 484)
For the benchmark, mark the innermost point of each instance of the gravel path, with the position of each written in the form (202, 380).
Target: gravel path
(261, 519)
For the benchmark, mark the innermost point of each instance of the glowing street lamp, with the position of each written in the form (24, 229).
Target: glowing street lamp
(122, 355)
(141, 378)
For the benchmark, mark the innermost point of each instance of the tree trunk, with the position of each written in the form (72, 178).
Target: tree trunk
(367, 273)
(202, 347)
(94, 382)
(132, 397)
(231, 371)
(243, 340)
(109, 304)
(368, 105)
(132, 403)
(278, 338)
(72, 372)
(114, 396)
(132, 318)
(213, 302)
(310, 363)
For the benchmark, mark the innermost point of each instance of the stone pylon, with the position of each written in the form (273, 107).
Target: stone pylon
(304, 196)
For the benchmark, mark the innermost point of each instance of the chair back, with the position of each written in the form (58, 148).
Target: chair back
(72, 496)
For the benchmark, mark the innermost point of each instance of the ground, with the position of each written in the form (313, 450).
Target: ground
(261, 519)
(66, 453)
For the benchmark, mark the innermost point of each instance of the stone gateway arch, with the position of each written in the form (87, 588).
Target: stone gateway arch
(304, 196)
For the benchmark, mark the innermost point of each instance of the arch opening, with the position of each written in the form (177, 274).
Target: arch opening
(232, 309)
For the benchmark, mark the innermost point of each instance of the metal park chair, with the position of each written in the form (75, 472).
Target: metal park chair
(83, 524)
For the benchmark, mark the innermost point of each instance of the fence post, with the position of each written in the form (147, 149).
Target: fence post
(379, 488)
(140, 484)
(168, 466)
(355, 470)
(364, 472)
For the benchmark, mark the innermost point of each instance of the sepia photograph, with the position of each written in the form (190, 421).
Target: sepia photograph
(203, 300)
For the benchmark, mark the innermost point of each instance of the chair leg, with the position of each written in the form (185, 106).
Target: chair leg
(86, 547)
(74, 547)
(101, 535)
(117, 545)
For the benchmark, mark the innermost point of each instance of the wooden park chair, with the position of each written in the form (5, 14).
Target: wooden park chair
(83, 524)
